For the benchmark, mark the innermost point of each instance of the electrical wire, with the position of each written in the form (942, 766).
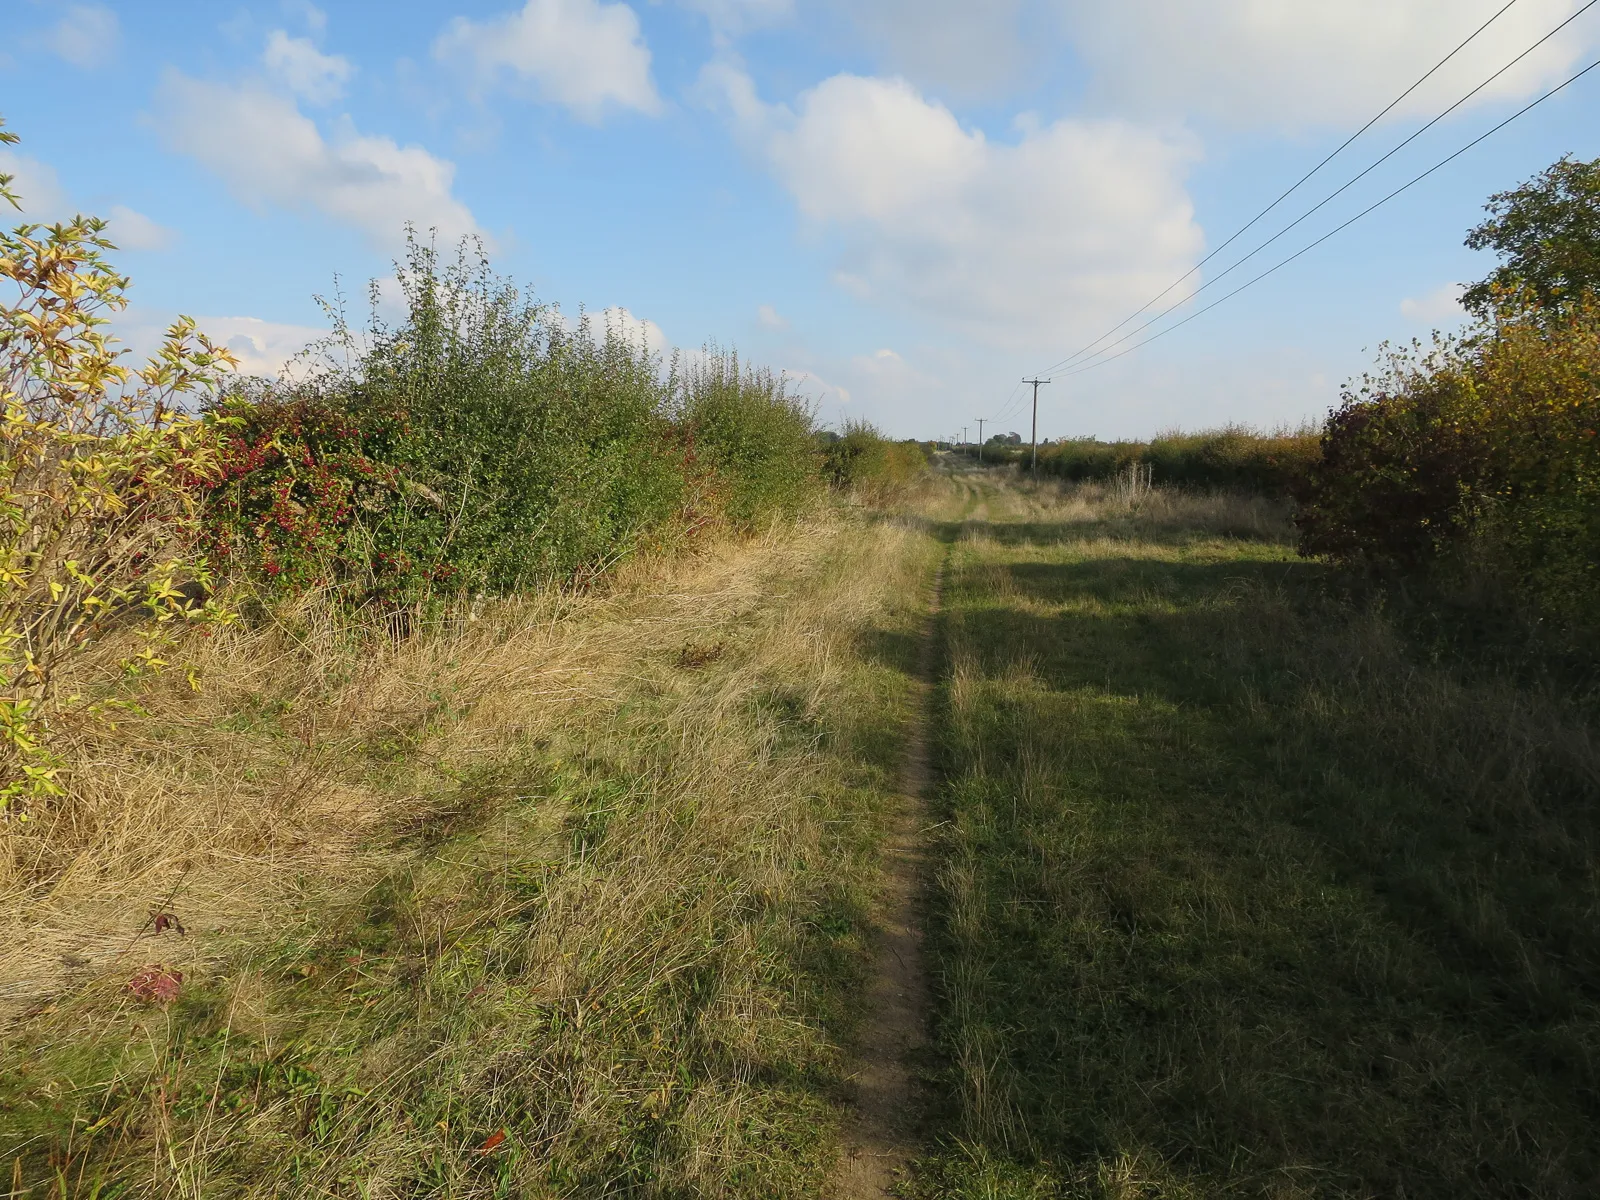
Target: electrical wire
(1294, 187)
(1346, 225)
(1223, 274)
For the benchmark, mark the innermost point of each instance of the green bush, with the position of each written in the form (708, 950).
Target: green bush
(742, 422)
(862, 460)
(1233, 458)
(484, 443)
(1479, 458)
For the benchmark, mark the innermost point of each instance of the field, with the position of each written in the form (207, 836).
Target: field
(567, 899)
(1230, 885)
(1238, 893)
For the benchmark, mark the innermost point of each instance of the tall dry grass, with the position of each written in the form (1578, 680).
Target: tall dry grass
(618, 847)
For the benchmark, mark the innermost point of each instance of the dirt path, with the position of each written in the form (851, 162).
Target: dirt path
(883, 1139)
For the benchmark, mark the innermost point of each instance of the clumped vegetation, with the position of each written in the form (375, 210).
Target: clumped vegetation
(484, 444)
(1475, 467)
(862, 461)
(1232, 458)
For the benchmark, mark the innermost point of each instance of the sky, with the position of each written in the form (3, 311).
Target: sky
(908, 206)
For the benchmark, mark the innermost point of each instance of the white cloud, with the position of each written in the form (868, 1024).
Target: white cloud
(1290, 64)
(262, 347)
(741, 16)
(819, 391)
(36, 185)
(585, 54)
(950, 44)
(771, 318)
(315, 77)
(1017, 243)
(315, 19)
(45, 200)
(1441, 304)
(86, 36)
(267, 151)
(636, 331)
(132, 230)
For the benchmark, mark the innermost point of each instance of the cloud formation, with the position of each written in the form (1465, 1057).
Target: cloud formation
(1294, 64)
(953, 45)
(741, 16)
(268, 152)
(1017, 243)
(130, 229)
(585, 54)
(86, 36)
(1440, 305)
(315, 77)
(45, 200)
(262, 347)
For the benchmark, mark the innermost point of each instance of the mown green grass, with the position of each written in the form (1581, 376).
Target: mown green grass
(1237, 896)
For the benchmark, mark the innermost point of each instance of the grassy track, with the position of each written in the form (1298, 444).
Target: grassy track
(609, 942)
(1239, 895)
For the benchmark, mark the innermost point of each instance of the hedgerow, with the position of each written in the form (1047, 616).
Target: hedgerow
(863, 461)
(1234, 457)
(486, 443)
(1475, 460)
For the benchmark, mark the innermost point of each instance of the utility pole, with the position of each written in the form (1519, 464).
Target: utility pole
(980, 421)
(1034, 458)
(964, 435)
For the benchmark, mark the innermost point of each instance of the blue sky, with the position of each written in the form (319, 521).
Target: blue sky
(906, 204)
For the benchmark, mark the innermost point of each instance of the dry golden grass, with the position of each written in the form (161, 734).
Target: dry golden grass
(612, 889)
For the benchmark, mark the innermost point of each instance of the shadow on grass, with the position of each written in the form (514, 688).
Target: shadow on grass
(1204, 915)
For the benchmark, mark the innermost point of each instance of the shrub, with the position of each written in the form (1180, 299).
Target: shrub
(479, 444)
(1234, 457)
(742, 422)
(862, 460)
(99, 480)
(485, 443)
(1479, 456)
(300, 500)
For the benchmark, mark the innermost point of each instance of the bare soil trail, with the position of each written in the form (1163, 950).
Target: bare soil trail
(884, 1137)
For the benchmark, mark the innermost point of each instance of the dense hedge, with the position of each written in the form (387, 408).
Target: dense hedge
(863, 461)
(1233, 457)
(484, 443)
(1478, 461)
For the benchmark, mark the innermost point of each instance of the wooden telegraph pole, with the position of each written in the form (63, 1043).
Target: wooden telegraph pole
(1033, 465)
(980, 421)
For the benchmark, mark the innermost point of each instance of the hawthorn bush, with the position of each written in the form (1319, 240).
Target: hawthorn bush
(863, 461)
(485, 443)
(1479, 458)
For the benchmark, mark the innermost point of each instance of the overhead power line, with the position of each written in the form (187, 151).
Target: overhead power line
(1410, 183)
(1325, 201)
(1294, 187)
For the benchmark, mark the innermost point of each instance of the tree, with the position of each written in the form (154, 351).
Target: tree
(1547, 234)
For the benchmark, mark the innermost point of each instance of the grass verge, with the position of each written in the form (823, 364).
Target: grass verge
(596, 930)
(1239, 895)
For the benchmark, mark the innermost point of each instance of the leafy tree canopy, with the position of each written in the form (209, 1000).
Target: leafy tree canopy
(1547, 234)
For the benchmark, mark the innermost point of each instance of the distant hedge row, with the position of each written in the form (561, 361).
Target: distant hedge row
(1233, 457)
(486, 444)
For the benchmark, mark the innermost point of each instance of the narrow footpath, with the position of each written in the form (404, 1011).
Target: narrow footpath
(883, 1140)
